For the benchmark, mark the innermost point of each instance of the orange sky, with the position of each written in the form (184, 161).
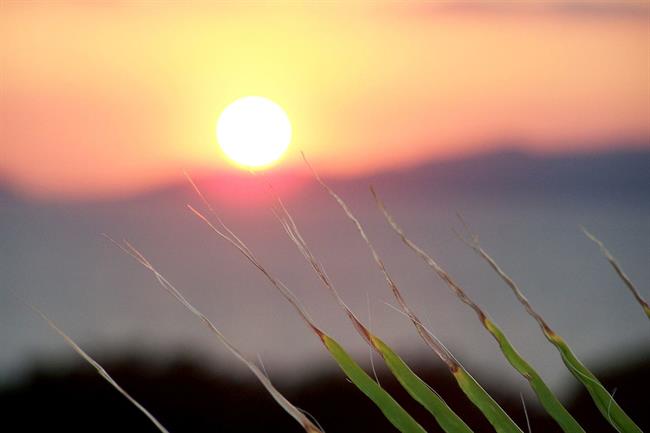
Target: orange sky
(105, 98)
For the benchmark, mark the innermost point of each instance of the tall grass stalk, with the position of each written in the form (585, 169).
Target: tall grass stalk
(103, 373)
(549, 401)
(603, 400)
(391, 409)
(415, 386)
(292, 410)
(497, 417)
(448, 420)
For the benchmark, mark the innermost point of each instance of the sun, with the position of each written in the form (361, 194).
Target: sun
(253, 131)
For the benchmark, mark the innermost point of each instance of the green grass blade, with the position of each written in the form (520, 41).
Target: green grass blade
(490, 409)
(420, 391)
(481, 399)
(389, 407)
(603, 400)
(499, 419)
(549, 401)
(416, 387)
(619, 271)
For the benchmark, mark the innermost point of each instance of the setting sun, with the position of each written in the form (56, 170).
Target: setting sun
(222, 143)
(254, 131)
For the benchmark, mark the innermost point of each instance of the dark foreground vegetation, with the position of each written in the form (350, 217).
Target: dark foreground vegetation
(188, 398)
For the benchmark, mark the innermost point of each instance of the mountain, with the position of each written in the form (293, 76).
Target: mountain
(506, 172)
(624, 174)
(514, 172)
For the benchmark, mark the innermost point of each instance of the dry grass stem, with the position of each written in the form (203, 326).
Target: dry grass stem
(451, 283)
(292, 410)
(290, 227)
(619, 271)
(229, 236)
(100, 370)
(389, 407)
(428, 338)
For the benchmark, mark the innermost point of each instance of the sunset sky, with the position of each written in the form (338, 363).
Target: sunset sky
(113, 97)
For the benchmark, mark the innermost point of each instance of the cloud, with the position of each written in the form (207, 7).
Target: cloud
(581, 9)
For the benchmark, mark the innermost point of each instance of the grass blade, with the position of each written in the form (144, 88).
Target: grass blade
(388, 406)
(499, 419)
(448, 420)
(548, 400)
(619, 271)
(416, 387)
(546, 397)
(100, 370)
(296, 413)
(603, 400)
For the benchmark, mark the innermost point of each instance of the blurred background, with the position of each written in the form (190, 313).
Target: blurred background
(530, 120)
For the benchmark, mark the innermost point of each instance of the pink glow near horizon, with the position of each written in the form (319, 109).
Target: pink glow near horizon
(108, 100)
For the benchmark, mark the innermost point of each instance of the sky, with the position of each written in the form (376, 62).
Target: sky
(106, 98)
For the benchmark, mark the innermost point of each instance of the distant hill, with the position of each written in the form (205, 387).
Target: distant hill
(618, 174)
(514, 172)
(624, 174)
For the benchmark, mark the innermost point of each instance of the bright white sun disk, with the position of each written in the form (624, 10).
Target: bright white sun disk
(254, 131)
